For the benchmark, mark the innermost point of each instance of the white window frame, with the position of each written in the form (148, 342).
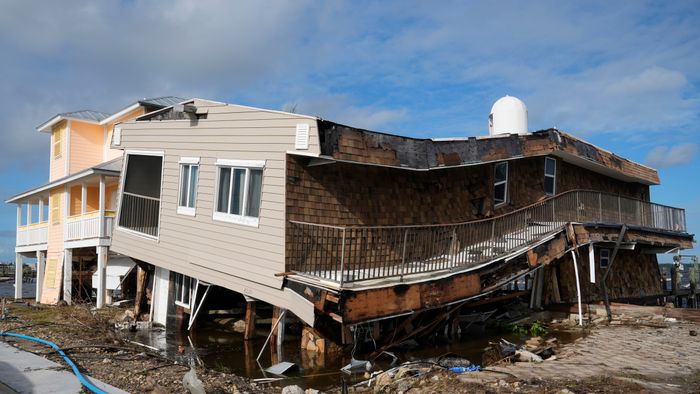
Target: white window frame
(191, 162)
(178, 297)
(604, 255)
(505, 182)
(553, 176)
(246, 165)
(122, 179)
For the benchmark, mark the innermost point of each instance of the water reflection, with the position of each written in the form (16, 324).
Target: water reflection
(226, 351)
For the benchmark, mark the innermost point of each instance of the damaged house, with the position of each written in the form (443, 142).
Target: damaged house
(342, 226)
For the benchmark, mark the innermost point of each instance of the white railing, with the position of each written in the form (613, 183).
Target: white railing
(140, 213)
(33, 234)
(356, 253)
(87, 226)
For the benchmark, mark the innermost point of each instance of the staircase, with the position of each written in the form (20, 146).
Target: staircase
(359, 253)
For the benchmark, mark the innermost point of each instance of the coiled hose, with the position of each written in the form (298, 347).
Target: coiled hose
(58, 350)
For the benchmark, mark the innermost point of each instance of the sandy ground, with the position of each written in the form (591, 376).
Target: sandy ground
(626, 356)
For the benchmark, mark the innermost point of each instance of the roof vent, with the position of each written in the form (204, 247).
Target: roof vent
(302, 137)
(508, 116)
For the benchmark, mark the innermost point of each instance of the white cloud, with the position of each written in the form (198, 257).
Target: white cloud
(665, 156)
(400, 66)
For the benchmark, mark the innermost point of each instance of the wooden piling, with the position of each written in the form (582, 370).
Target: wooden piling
(249, 321)
(141, 276)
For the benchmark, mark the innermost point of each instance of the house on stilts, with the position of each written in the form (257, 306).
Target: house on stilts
(341, 226)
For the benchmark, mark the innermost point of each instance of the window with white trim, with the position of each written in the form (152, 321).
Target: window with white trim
(183, 290)
(550, 176)
(57, 138)
(189, 174)
(238, 191)
(500, 183)
(604, 258)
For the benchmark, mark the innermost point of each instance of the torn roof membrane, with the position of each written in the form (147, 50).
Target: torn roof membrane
(344, 143)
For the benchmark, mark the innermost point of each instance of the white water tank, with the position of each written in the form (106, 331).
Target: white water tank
(508, 116)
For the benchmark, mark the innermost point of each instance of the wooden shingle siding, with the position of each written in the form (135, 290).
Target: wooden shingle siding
(242, 258)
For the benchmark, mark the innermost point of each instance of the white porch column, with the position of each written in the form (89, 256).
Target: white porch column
(591, 262)
(40, 261)
(67, 275)
(41, 209)
(19, 223)
(83, 208)
(29, 213)
(102, 206)
(101, 275)
(83, 198)
(161, 285)
(18, 276)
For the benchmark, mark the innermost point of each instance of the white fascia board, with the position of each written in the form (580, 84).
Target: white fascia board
(119, 114)
(60, 182)
(144, 152)
(241, 163)
(46, 127)
(189, 160)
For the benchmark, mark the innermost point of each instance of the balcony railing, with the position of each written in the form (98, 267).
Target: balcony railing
(139, 213)
(350, 254)
(87, 226)
(33, 234)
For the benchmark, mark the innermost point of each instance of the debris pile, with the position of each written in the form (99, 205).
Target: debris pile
(535, 350)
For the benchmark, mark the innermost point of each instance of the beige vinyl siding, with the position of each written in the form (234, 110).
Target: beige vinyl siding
(242, 258)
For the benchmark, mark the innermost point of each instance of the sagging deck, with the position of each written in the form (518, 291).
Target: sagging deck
(357, 274)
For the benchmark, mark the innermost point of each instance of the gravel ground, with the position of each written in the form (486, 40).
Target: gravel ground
(89, 339)
(631, 355)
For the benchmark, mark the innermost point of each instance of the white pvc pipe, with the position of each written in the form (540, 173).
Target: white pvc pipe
(578, 290)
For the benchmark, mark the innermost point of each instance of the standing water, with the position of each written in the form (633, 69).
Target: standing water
(226, 351)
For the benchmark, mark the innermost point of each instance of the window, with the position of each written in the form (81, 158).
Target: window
(238, 190)
(55, 208)
(57, 136)
(189, 171)
(604, 258)
(140, 200)
(550, 175)
(183, 290)
(500, 183)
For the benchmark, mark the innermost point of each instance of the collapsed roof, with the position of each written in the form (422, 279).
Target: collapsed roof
(344, 143)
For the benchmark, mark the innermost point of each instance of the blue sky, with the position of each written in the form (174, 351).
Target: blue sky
(623, 75)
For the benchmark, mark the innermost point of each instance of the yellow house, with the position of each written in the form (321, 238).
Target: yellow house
(67, 223)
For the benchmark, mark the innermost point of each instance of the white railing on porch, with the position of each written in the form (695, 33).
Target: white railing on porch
(87, 226)
(344, 254)
(33, 234)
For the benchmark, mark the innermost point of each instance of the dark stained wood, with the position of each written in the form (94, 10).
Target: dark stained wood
(141, 281)
(369, 304)
(249, 320)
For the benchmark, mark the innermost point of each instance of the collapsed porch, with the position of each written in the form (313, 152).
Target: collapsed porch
(374, 272)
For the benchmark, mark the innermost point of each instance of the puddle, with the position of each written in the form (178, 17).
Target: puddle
(226, 351)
